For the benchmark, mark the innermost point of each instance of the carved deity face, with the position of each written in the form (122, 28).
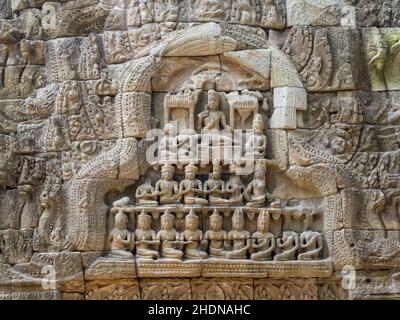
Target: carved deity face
(213, 100)
(121, 220)
(216, 175)
(263, 225)
(167, 176)
(190, 175)
(144, 223)
(258, 127)
(238, 224)
(170, 129)
(167, 223)
(192, 224)
(215, 224)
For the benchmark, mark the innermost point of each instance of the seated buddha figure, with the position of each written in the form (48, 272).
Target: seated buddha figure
(145, 238)
(216, 238)
(166, 188)
(256, 144)
(311, 242)
(238, 237)
(234, 188)
(214, 187)
(192, 237)
(213, 120)
(287, 246)
(256, 194)
(168, 147)
(191, 188)
(263, 241)
(170, 239)
(145, 194)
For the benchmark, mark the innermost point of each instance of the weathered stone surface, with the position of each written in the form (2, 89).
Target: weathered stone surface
(118, 289)
(281, 290)
(199, 149)
(222, 289)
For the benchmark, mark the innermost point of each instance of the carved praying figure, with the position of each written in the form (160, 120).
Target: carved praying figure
(287, 246)
(255, 193)
(191, 188)
(256, 145)
(166, 188)
(311, 243)
(239, 237)
(234, 188)
(170, 239)
(263, 241)
(145, 238)
(215, 187)
(145, 194)
(121, 238)
(192, 237)
(216, 238)
(168, 146)
(212, 118)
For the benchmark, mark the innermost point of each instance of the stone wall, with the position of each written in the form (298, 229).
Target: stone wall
(277, 166)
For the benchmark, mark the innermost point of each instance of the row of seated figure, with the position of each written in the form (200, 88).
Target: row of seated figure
(215, 242)
(215, 191)
(180, 144)
(174, 147)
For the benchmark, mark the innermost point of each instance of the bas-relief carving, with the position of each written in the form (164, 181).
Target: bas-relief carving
(381, 47)
(78, 99)
(327, 60)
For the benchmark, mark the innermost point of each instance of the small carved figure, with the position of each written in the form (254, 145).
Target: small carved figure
(255, 193)
(216, 238)
(166, 188)
(49, 200)
(239, 237)
(312, 74)
(215, 187)
(263, 241)
(145, 194)
(192, 237)
(121, 238)
(168, 147)
(287, 246)
(310, 241)
(170, 239)
(234, 188)
(145, 238)
(257, 144)
(29, 213)
(191, 188)
(212, 118)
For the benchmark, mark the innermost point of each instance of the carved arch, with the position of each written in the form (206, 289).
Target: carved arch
(125, 163)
